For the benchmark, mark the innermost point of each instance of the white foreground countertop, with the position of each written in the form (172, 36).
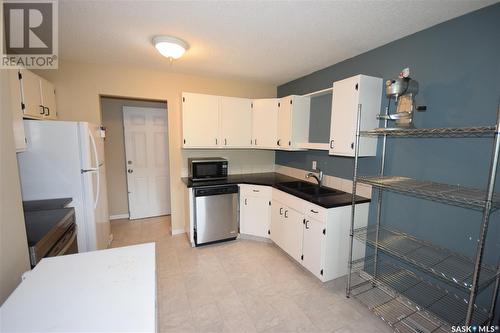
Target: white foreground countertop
(110, 290)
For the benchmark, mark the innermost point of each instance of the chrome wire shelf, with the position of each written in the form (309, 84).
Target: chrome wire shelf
(407, 302)
(446, 132)
(443, 264)
(456, 195)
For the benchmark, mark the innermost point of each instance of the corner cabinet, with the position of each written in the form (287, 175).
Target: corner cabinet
(349, 94)
(255, 210)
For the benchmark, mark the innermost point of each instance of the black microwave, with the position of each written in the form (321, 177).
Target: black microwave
(207, 168)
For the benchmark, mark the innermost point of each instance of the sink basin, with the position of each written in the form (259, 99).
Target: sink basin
(320, 191)
(309, 189)
(297, 185)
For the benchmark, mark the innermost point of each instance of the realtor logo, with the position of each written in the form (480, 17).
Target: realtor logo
(29, 34)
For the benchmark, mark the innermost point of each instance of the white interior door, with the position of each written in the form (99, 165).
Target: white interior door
(146, 153)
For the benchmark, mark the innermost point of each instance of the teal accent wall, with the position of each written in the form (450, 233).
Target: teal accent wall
(457, 64)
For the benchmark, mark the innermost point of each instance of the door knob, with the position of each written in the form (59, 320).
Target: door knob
(130, 171)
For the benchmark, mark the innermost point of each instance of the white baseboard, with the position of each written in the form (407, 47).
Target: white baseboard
(178, 231)
(119, 216)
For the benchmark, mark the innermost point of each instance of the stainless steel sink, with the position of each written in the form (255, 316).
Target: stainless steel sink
(309, 189)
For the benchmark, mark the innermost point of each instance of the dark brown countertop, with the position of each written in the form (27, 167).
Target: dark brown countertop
(274, 179)
(32, 205)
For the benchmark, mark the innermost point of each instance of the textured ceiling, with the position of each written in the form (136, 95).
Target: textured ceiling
(267, 41)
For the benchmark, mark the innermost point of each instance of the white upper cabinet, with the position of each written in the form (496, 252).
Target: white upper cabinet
(236, 122)
(31, 95)
(362, 90)
(265, 123)
(38, 96)
(293, 122)
(200, 120)
(48, 99)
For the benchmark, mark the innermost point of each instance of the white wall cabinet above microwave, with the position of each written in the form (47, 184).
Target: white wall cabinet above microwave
(210, 121)
(347, 95)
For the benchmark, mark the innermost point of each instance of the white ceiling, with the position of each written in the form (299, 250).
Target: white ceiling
(268, 41)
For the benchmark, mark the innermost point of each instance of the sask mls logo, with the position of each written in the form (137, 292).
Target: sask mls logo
(29, 34)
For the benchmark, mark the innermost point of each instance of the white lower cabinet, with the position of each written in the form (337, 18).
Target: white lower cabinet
(315, 236)
(255, 210)
(313, 246)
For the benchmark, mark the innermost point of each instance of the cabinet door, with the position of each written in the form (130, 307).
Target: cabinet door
(312, 246)
(200, 120)
(284, 123)
(292, 233)
(344, 115)
(31, 95)
(277, 220)
(17, 112)
(265, 123)
(255, 216)
(48, 94)
(236, 122)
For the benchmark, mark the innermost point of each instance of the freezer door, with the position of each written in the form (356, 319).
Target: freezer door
(216, 217)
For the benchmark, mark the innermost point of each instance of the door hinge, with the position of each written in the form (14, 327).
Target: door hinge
(324, 231)
(19, 75)
(251, 105)
(268, 232)
(357, 86)
(269, 202)
(290, 101)
(289, 143)
(279, 104)
(302, 257)
(23, 106)
(352, 145)
(183, 99)
(321, 272)
(25, 140)
(184, 140)
(304, 221)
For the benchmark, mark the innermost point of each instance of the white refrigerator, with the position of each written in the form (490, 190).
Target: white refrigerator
(66, 159)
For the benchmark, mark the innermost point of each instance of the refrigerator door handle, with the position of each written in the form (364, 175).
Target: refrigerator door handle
(96, 169)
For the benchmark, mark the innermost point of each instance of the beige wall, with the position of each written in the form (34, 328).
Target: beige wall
(13, 244)
(114, 145)
(79, 85)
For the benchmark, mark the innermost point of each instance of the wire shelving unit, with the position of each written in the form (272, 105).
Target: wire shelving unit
(444, 292)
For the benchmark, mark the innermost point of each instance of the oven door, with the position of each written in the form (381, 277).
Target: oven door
(66, 245)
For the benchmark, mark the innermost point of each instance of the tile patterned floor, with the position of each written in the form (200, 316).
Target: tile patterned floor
(240, 286)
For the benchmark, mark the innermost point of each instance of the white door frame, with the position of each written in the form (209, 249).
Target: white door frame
(149, 195)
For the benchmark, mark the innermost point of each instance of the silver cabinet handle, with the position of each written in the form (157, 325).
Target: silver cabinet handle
(256, 190)
(278, 142)
(216, 141)
(281, 211)
(307, 224)
(245, 201)
(331, 144)
(286, 216)
(225, 142)
(130, 171)
(313, 211)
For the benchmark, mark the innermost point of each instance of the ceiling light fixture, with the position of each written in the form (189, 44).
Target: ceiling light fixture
(170, 47)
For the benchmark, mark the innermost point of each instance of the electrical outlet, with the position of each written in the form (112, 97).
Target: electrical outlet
(314, 165)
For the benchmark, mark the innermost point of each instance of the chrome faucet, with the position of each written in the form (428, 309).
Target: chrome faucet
(319, 177)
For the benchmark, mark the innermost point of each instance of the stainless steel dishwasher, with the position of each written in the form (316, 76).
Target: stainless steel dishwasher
(216, 213)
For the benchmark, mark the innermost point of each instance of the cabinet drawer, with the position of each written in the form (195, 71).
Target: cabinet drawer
(315, 212)
(255, 190)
